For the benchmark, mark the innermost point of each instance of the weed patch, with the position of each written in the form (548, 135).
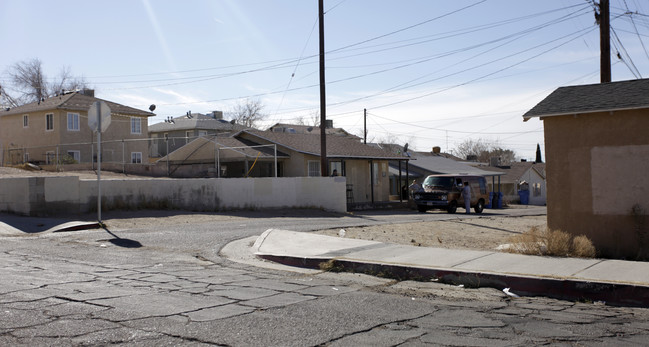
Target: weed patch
(552, 243)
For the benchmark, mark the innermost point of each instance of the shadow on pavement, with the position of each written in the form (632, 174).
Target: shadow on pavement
(120, 242)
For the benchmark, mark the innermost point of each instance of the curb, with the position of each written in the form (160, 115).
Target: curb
(617, 294)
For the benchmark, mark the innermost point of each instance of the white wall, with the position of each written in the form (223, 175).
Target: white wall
(48, 195)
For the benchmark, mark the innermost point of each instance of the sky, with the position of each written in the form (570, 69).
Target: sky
(429, 73)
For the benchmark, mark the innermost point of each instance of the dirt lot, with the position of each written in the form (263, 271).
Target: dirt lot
(482, 233)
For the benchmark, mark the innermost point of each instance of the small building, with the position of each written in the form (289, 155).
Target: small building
(527, 178)
(597, 159)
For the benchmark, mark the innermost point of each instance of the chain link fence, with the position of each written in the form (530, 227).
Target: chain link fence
(148, 157)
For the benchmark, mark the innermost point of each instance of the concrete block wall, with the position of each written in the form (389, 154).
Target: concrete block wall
(42, 196)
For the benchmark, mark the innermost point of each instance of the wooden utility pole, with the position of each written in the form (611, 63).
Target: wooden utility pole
(323, 100)
(605, 41)
(365, 126)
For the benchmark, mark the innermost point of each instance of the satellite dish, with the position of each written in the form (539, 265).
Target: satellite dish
(152, 107)
(310, 129)
(233, 121)
(405, 150)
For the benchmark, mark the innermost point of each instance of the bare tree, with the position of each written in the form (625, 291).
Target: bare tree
(483, 151)
(31, 83)
(313, 119)
(249, 113)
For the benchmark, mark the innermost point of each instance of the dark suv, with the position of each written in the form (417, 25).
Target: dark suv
(445, 192)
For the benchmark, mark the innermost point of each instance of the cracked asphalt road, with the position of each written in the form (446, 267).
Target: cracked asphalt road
(165, 284)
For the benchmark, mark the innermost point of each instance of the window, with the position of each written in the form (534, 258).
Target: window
(202, 133)
(76, 155)
(336, 166)
(136, 157)
(73, 121)
(50, 157)
(26, 158)
(314, 168)
(49, 122)
(536, 189)
(136, 125)
(188, 134)
(25, 121)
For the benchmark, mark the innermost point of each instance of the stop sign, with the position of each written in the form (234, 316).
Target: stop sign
(99, 109)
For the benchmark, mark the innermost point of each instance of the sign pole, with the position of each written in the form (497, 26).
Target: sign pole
(98, 163)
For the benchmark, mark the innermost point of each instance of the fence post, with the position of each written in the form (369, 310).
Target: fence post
(123, 158)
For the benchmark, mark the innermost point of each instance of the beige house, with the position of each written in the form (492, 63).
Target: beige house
(597, 151)
(55, 131)
(255, 153)
(365, 167)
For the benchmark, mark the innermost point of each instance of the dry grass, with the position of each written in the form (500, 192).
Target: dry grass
(553, 243)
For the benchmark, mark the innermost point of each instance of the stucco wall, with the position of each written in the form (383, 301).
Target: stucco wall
(51, 195)
(596, 179)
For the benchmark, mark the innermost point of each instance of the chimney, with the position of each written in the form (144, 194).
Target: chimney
(437, 149)
(217, 115)
(329, 123)
(88, 92)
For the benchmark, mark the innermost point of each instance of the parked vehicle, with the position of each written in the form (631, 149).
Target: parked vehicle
(445, 192)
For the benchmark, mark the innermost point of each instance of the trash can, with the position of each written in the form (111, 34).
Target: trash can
(525, 196)
(500, 200)
(489, 203)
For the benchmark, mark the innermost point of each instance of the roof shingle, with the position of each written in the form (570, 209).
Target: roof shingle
(601, 97)
(337, 146)
(73, 102)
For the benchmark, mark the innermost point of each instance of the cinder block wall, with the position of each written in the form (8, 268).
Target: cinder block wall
(45, 196)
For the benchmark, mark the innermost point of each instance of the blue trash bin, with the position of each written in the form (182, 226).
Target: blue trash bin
(500, 200)
(525, 196)
(491, 198)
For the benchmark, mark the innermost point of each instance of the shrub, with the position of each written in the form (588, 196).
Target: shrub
(551, 242)
(558, 243)
(583, 247)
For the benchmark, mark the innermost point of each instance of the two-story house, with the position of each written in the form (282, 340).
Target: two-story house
(176, 132)
(55, 131)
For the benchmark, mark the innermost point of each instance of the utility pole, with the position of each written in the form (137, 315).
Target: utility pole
(365, 126)
(604, 41)
(323, 100)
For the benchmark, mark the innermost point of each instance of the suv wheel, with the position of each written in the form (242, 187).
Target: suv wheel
(452, 207)
(479, 206)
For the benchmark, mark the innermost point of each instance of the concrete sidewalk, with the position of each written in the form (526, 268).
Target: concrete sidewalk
(615, 282)
(16, 225)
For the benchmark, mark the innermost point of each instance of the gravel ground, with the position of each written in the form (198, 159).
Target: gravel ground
(483, 233)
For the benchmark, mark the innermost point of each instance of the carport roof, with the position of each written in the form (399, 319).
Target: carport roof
(442, 165)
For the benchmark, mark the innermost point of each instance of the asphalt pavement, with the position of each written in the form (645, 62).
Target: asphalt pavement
(615, 282)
